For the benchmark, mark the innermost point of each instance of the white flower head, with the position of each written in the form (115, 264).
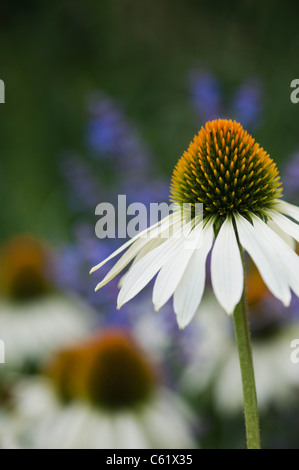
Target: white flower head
(238, 184)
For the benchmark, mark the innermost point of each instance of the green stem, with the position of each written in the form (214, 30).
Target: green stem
(242, 331)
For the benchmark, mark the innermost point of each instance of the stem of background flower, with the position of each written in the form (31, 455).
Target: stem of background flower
(242, 331)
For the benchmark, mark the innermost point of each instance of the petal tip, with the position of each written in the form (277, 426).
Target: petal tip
(230, 312)
(120, 303)
(286, 303)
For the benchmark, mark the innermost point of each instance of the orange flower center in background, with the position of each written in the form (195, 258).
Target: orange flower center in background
(23, 264)
(109, 371)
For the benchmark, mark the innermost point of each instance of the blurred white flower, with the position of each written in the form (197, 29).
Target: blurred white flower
(102, 395)
(215, 365)
(34, 318)
(34, 330)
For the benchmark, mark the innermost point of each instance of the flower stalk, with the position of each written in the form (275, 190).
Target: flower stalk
(242, 333)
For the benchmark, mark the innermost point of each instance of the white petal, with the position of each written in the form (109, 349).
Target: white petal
(287, 225)
(150, 232)
(288, 209)
(226, 268)
(255, 241)
(282, 234)
(172, 272)
(288, 260)
(124, 260)
(141, 274)
(151, 245)
(168, 422)
(100, 432)
(129, 432)
(78, 419)
(188, 294)
(143, 246)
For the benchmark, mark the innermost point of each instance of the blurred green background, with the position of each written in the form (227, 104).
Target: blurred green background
(54, 53)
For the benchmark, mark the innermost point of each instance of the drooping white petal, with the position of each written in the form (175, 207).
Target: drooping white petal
(226, 268)
(141, 274)
(256, 243)
(189, 291)
(288, 260)
(172, 272)
(150, 232)
(151, 245)
(281, 233)
(288, 209)
(124, 260)
(143, 245)
(287, 225)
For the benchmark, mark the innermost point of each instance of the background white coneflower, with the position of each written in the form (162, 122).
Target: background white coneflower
(35, 317)
(103, 393)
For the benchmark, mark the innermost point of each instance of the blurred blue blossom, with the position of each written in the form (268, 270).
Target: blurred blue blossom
(290, 178)
(83, 188)
(74, 261)
(208, 101)
(111, 137)
(246, 104)
(294, 308)
(206, 96)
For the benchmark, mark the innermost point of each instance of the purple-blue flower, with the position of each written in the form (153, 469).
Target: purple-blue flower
(205, 95)
(246, 105)
(290, 178)
(209, 102)
(112, 137)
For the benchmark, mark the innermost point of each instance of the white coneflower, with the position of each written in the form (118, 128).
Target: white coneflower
(34, 318)
(238, 184)
(102, 394)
